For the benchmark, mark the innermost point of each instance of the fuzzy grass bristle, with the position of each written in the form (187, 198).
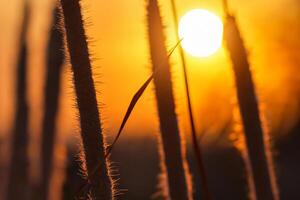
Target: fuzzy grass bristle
(257, 150)
(101, 182)
(172, 153)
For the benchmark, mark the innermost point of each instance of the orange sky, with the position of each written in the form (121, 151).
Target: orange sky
(120, 45)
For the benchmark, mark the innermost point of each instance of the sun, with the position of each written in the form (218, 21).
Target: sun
(201, 31)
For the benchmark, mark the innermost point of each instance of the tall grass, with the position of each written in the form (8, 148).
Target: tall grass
(256, 143)
(91, 132)
(173, 154)
(55, 60)
(18, 183)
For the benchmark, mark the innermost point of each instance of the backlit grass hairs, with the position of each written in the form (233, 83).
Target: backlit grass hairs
(172, 151)
(55, 59)
(101, 183)
(18, 179)
(256, 143)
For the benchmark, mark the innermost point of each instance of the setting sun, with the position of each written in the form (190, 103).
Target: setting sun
(143, 99)
(202, 32)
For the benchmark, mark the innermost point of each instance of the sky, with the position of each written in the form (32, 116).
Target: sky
(121, 63)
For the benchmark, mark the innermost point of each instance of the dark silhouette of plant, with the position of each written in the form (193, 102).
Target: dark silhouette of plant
(204, 191)
(18, 183)
(91, 132)
(261, 163)
(173, 157)
(55, 58)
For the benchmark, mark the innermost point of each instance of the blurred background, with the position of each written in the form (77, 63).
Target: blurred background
(121, 63)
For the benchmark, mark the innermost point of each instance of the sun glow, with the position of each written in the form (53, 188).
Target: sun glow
(201, 31)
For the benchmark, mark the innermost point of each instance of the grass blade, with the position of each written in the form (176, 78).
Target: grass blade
(130, 108)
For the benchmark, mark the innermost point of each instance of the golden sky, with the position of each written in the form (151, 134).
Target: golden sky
(119, 33)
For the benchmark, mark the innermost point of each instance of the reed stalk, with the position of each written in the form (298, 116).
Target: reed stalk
(55, 59)
(260, 158)
(173, 153)
(91, 131)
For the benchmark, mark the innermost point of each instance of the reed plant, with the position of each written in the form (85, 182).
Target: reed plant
(172, 151)
(101, 183)
(257, 145)
(55, 59)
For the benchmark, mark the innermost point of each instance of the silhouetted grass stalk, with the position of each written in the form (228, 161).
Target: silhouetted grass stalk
(91, 132)
(204, 190)
(173, 154)
(260, 158)
(55, 60)
(18, 183)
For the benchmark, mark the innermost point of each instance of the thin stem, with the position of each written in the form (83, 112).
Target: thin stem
(130, 108)
(205, 194)
(225, 7)
(91, 130)
(172, 152)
